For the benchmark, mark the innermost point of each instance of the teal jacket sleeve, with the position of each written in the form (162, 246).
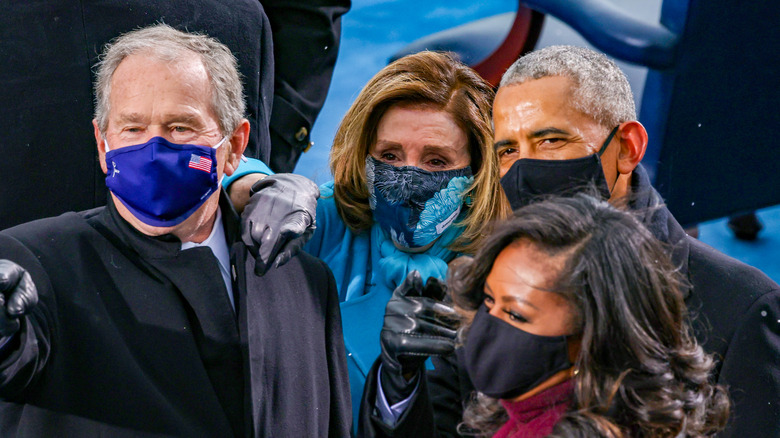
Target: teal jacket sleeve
(245, 167)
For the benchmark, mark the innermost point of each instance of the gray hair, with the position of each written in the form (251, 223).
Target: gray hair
(600, 89)
(166, 44)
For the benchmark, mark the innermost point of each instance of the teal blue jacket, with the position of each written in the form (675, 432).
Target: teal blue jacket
(367, 268)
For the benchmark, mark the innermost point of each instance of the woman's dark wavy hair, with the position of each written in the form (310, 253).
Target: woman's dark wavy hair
(641, 373)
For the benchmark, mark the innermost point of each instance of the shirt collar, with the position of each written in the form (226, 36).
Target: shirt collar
(216, 241)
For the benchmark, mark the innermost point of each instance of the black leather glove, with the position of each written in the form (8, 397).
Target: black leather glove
(18, 296)
(279, 218)
(417, 325)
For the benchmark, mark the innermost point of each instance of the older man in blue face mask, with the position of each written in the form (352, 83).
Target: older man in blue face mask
(145, 317)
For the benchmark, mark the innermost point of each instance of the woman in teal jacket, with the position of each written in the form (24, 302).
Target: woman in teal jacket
(415, 184)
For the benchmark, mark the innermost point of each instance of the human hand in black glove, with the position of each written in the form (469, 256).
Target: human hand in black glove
(279, 218)
(417, 325)
(18, 296)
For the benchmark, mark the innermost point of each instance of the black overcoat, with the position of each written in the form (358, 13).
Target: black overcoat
(49, 49)
(735, 310)
(134, 337)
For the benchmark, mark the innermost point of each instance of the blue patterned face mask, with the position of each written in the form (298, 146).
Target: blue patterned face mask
(412, 205)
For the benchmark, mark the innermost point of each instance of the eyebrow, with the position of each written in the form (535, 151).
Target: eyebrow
(438, 148)
(535, 134)
(502, 143)
(131, 117)
(511, 298)
(547, 131)
(167, 118)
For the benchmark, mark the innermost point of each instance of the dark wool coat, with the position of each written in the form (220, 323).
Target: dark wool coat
(133, 337)
(50, 48)
(736, 316)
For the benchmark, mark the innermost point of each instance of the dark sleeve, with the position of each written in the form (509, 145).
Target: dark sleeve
(751, 370)
(449, 388)
(434, 411)
(340, 403)
(417, 419)
(23, 361)
(306, 37)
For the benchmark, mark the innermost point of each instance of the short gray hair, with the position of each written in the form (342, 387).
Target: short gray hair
(166, 44)
(600, 89)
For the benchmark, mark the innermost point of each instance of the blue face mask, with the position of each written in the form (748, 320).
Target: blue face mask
(160, 182)
(412, 205)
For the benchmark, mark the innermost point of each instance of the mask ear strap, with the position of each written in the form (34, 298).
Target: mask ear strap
(609, 139)
(105, 142)
(218, 145)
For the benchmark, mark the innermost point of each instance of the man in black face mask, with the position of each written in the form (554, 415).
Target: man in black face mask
(564, 118)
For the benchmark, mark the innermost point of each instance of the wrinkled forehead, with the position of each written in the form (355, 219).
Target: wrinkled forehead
(546, 102)
(141, 78)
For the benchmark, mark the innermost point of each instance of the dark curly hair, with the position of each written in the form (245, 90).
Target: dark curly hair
(640, 371)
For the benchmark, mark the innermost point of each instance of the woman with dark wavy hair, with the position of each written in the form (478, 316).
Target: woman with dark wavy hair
(575, 326)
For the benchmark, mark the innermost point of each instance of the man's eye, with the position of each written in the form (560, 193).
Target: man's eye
(133, 129)
(506, 151)
(553, 141)
(181, 129)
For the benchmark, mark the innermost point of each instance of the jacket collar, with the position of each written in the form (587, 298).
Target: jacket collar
(167, 245)
(647, 203)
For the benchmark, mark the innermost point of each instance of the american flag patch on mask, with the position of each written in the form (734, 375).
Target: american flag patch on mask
(200, 163)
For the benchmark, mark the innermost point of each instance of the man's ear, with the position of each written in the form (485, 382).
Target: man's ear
(101, 146)
(237, 142)
(633, 144)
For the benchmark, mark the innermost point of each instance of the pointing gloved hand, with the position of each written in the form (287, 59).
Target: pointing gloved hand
(18, 296)
(279, 218)
(417, 325)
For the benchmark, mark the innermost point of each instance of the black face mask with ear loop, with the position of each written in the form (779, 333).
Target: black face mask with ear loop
(504, 361)
(529, 179)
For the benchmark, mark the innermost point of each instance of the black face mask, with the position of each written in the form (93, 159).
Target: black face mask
(529, 180)
(504, 361)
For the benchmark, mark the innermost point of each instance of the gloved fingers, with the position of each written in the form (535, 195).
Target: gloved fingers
(256, 241)
(295, 224)
(420, 323)
(270, 242)
(301, 184)
(290, 250)
(424, 345)
(435, 289)
(23, 298)
(451, 322)
(278, 249)
(401, 314)
(10, 274)
(268, 181)
(411, 286)
(17, 296)
(260, 267)
(292, 185)
(421, 307)
(432, 328)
